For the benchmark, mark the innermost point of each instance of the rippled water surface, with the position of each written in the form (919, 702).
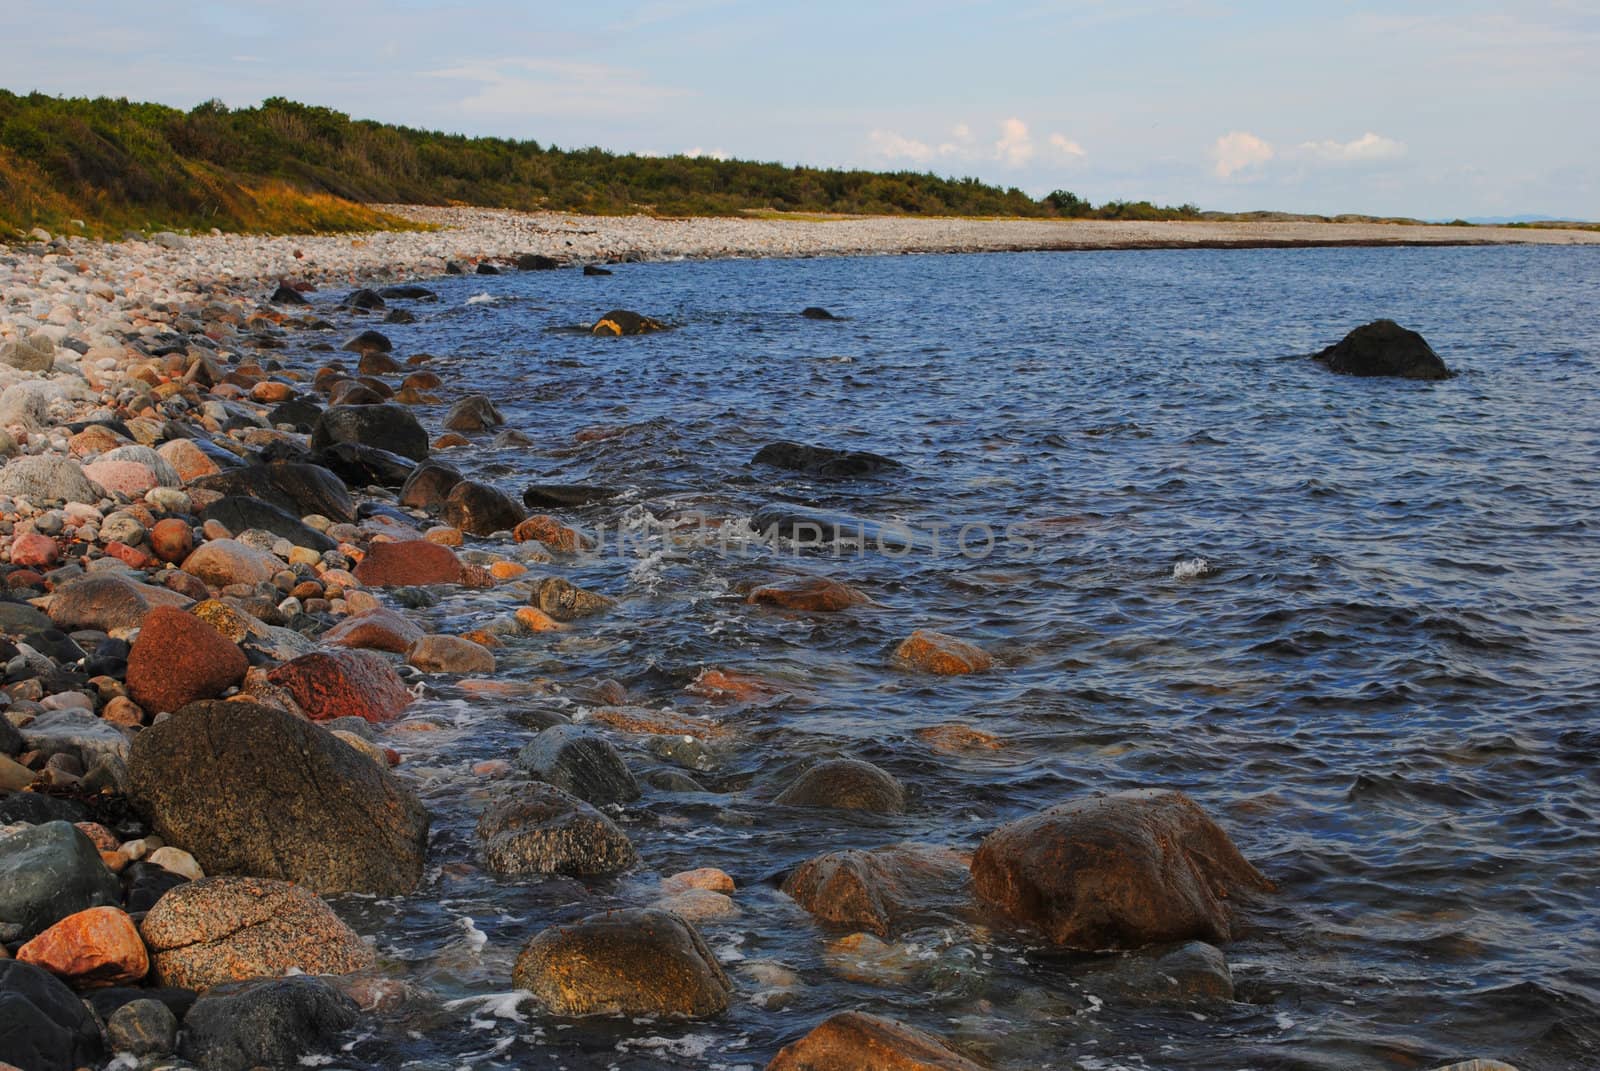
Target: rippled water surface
(1385, 686)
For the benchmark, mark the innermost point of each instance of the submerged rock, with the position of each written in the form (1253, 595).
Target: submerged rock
(856, 1041)
(823, 460)
(945, 656)
(884, 890)
(622, 322)
(563, 600)
(811, 593)
(845, 784)
(565, 495)
(1384, 348)
(481, 510)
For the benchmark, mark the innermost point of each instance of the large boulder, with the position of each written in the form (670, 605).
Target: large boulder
(582, 762)
(365, 466)
(845, 784)
(96, 947)
(292, 486)
(227, 561)
(885, 890)
(48, 872)
(254, 790)
(535, 828)
(412, 563)
(1384, 348)
(823, 461)
(238, 513)
(338, 684)
(856, 1041)
(203, 933)
(629, 963)
(178, 659)
(1117, 871)
(43, 1024)
(481, 510)
(271, 1022)
(388, 427)
(47, 478)
(108, 603)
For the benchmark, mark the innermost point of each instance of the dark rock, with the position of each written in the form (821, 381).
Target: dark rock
(18, 617)
(350, 392)
(816, 528)
(388, 427)
(630, 963)
(239, 514)
(105, 1002)
(10, 739)
(400, 316)
(43, 1025)
(581, 762)
(253, 790)
(1384, 348)
(373, 364)
(48, 872)
(408, 292)
(300, 413)
(287, 295)
(815, 312)
(623, 322)
(537, 262)
(298, 489)
(481, 510)
(565, 495)
(363, 299)
(144, 1028)
(36, 808)
(365, 466)
(886, 890)
(822, 460)
(429, 485)
(107, 603)
(1192, 973)
(1117, 871)
(845, 784)
(144, 884)
(595, 269)
(539, 829)
(270, 1022)
(856, 1041)
(369, 341)
(485, 268)
(454, 267)
(475, 412)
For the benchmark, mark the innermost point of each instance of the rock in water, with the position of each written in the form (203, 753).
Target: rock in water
(816, 594)
(633, 962)
(582, 762)
(856, 1041)
(1384, 348)
(475, 412)
(273, 1022)
(481, 510)
(1118, 871)
(565, 495)
(48, 872)
(287, 295)
(822, 460)
(884, 890)
(538, 829)
(428, 485)
(369, 342)
(846, 784)
(565, 601)
(816, 312)
(450, 654)
(365, 466)
(43, 1024)
(276, 796)
(945, 656)
(537, 262)
(203, 933)
(619, 322)
(409, 564)
(388, 427)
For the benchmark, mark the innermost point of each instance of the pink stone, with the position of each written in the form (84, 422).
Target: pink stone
(128, 477)
(33, 549)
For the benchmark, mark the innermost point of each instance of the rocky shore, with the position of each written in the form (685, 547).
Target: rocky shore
(211, 530)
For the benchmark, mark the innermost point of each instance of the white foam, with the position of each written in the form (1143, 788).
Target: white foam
(481, 299)
(1191, 569)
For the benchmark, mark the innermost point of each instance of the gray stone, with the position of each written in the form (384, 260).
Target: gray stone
(143, 1028)
(845, 784)
(27, 403)
(581, 762)
(108, 603)
(270, 1022)
(33, 353)
(48, 872)
(1191, 973)
(539, 829)
(77, 732)
(47, 479)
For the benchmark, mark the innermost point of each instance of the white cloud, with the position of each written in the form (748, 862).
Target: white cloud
(710, 154)
(1015, 146)
(1066, 145)
(1237, 151)
(511, 88)
(961, 132)
(1368, 146)
(892, 146)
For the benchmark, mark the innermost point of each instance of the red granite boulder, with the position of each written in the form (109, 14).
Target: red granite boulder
(178, 659)
(337, 684)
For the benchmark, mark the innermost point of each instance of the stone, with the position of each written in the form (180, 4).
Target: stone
(336, 684)
(857, 1041)
(46, 478)
(808, 527)
(845, 784)
(48, 872)
(823, 461)
(537, 262)
(222, 562)
(1384, 348)
(388, 427)
(535, 828)
(34, 352)
(227, 929)
(816, 312)
(708, 878)
(565, 495)
(108, 603)
(412, 563)
(475, 412)
(1116, 871)
(278, 797)
(375, 630)
(239, 513)
(176, 861)
(619, 322)
(287, 295)
(295, 487)
(629, 963)
(365, 466)
(79, 733)
(883, 891)
(543, 528)
(595, 269)
(188, 460)
(481, 510)
(369, 342)
(270, 1022)
(1191, 973)
(172, 540)
(581, 762)
(43, 1024)
(122, 477)
(34, 551)
(945, 656)
(178, 659)
(816, 594)
(143, 1028)
(428, 485)
(450, 654)
(99, 946)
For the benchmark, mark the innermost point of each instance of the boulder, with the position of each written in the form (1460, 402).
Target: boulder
(48, 872)
(368, 342)
(552, 533)
(338, 684)
(582, 762)
(171, 540)
(203, 933)
(96, 947)
(276, 796)
(564, 601)
(816, 312)
(565, 495)
(819, 528)
(884, 891)
(388, 427)
(1117, 871)
(619, 322)
(481, 510)
(410, 564)
(428, 486)
(287, 295)
(538, 829)
(941, 655)
(227, 561)
(450, 654)
(46, 478)
(270, 1022)
(108, 603)
(122, 477)
(845, 784)
(237, 513)
(856, 1041)
(1384, 348)
(143, 1027)
(537, 262)
(823, 461)
(379, 629)
(475, 412)
(810, 593)
(408, 292)
(190, 461)
(178, 658)
(365, 466)
(628, 963)
(43, 1024)
(294, 487)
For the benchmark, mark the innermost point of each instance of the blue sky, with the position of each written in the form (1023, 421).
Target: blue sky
(1423, 109)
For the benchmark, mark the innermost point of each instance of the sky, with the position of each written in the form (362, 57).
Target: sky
(1431, 110)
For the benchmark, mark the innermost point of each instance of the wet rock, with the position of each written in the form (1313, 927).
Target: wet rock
(287, 295)
(408, 292)
(708, 878)
(845, 784)
(619, 322)
(388, 427)
(108, 603)
(46, 478)
(372, 362)
(475, 412)
(816, 312)
(885, 890)
(856, 1041)
(365, 466)
(178, 658)
(337, 684)
(450, 654)
(543, 528)
(368, 342)
(296, 488)
(409, 564)
(581, 762)
(99, 946)
(629, 963)
(276, 796)
(936, 653)
(819, 528)
(485, 268)
(48, 872)
(1384, 348)
(203, 933)
(1117, 871)
(595, 269)
(275, 1022)
(810, 593)
(539, 829)
(429, 485)
(537, 262)
(565, 495)
(823, 460)
(238, 514)
(144, 1028)
(481, 510)
(43, 1025)
(227, 561)
(1192, 973)
(375, 630)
